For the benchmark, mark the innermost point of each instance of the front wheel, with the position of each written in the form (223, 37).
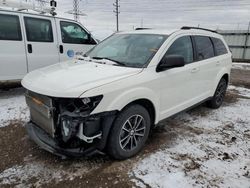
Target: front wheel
(129, 132)
(219, 95)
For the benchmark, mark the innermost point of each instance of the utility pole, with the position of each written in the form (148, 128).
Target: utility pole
(117, 12)
(76, 9)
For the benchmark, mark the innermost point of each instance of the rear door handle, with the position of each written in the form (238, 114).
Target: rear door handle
(29, 48)
(194, 70)
(61, 49)
(217, 63)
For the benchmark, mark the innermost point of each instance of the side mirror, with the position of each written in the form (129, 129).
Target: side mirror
(91, 40)
(170, 61)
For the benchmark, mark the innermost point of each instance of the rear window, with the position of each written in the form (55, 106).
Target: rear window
(219, 46)
(10, 28)
(38, 30)
(204, 47)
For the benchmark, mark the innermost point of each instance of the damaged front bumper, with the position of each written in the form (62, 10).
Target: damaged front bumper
(48, 143)
(66, 127)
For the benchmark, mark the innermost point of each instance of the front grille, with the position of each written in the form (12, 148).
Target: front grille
(41, 111)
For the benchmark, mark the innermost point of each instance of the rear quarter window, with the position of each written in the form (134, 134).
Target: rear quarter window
(219, 47)
(10, 28)
(204, 47)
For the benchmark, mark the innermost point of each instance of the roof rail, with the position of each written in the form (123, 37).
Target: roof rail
(187, 27)
(141, 28)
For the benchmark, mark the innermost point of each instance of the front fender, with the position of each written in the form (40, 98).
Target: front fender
(117, 101)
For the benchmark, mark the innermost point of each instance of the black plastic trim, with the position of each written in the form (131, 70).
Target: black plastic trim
(200, 28)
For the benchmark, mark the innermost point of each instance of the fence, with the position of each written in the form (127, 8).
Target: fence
(239, 43)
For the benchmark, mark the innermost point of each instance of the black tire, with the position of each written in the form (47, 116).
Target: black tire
(219, 95)
(122, 128)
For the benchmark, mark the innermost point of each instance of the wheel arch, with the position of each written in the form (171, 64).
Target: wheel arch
(148, 105)
(222, 74)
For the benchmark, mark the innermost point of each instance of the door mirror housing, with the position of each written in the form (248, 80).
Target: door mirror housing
(91, 40)
(170, 61)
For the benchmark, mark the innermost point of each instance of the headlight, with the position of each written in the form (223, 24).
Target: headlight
(79, 106)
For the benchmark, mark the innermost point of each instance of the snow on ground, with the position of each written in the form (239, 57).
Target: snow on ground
(243, 66)
(217, 154)
(12, 106)
(210, 150)
(22, 175)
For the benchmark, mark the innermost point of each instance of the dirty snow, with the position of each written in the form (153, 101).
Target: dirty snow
(44, 173)
(217, 154)
(211, 149)
(13, 106)
(243, 66)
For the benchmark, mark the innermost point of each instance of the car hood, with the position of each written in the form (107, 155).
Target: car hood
(72, 78)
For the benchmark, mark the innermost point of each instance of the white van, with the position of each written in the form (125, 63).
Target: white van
(29, 41)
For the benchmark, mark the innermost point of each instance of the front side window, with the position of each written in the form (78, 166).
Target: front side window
(74, 34)
(219, 47)
(134, 50)
(182, 47)
(10, 28)
(38, 30)
(204, 47)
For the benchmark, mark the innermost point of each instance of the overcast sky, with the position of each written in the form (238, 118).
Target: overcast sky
(222, 14)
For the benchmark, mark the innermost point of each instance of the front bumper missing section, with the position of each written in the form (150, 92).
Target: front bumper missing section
(46, 142)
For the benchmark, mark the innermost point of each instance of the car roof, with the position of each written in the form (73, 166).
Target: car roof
(172, 31)
(33, 13)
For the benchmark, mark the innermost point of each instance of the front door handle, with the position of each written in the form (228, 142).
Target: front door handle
(194, 70)
(29, 48)
(61, 49)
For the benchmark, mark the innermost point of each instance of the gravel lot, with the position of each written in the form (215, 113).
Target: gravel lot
(197, 148)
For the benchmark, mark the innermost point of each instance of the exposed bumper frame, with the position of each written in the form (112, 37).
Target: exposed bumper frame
(46, 142)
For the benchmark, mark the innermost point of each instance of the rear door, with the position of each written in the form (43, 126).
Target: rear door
(41, 41)
(73, 39)
(205, 57)
(12, 52)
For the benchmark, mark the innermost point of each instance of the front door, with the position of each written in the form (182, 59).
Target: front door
(178, 86)
(73, 39)
(42, 42)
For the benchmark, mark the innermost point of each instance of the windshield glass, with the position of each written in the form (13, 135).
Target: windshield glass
(134, 50)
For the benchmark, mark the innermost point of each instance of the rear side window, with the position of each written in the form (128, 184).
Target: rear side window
(219, 46)
(204, 47)
(73, 34)
(182, 46)
(38, 30)
(10, 28)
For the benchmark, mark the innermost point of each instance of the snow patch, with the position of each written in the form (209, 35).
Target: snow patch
(218, 156)
(13, 107)
(242, 66)
(36, 174)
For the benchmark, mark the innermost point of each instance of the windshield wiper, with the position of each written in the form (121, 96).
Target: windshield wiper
(106, 58)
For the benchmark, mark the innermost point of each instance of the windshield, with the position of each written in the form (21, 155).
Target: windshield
(133, 50)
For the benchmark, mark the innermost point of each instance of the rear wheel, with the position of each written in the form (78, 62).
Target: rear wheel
(129, 132)
(219, 95)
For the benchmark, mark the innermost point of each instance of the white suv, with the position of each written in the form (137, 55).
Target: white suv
(108, 100)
